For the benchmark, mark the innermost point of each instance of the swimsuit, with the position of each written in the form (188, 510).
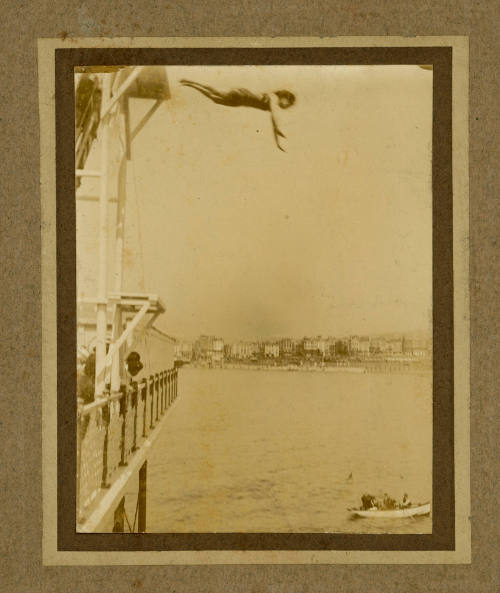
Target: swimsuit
(244, 98)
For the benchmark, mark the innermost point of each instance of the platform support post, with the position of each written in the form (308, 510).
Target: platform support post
(143, 474)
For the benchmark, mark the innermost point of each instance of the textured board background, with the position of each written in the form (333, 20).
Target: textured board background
(21, 568)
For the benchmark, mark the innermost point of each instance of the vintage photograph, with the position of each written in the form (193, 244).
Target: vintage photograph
(254, 279)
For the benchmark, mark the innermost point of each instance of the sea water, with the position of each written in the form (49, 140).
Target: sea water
(285, 451)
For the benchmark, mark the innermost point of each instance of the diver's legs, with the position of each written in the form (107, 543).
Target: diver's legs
(208, 91)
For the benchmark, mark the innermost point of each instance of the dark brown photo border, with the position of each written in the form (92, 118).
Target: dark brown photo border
(443, 498)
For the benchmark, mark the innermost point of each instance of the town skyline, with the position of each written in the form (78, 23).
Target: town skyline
(213, 349)
(421, 333)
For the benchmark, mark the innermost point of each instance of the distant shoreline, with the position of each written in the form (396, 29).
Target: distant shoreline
(418, 366)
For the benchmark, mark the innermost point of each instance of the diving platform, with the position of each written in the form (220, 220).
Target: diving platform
(134, 302)
(120, 407)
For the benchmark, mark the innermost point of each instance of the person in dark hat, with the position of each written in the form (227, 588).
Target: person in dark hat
(134, 364)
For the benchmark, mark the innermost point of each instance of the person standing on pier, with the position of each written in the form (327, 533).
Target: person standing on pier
(244, 98)
(86, 381)
(134, 364)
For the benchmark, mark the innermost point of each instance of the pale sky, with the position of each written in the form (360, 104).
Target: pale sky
(241, 240)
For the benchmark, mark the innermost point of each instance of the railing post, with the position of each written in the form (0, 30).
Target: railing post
(169, 387)
(119, 517)
(124, 414)
(165, 391)
(141, 503)
(152, 393)
(157, 395)
(135, 404)
(144, 399)
(162, 392)
(176, 372)
(106, 418)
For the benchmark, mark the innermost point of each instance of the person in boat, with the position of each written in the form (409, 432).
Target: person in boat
(368, 502)
(282, 99)
(389, 503)
(406, 502)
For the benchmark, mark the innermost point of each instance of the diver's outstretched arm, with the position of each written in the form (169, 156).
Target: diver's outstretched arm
(277, 133)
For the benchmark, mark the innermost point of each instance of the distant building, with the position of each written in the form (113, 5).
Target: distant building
(308, 345)
(317, 346)
(183, 351)
(243, 350)
(359, 345)
(420, 347)
(323, 345)
(236, 350)
(203, 347)
(217, 352)
(272, 350)
(340, 347)
(395, 345)
(254, 348)
(364, 345)
(379, 346)
(287, 346)
(330, 346)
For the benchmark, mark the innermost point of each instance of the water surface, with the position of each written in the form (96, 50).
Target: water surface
(272, 451)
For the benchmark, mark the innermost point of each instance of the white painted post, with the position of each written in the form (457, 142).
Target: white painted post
(103, 244)
(109, 104)
(124, 335)
(117, 363)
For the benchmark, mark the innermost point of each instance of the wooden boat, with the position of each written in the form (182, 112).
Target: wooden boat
(412, 511)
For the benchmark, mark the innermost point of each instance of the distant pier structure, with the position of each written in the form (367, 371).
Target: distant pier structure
(127, 380)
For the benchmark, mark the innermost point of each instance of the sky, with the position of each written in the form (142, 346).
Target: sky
(244, 241)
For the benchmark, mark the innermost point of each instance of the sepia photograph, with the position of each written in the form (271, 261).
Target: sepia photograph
(249, 256)
(254, 298)
(248, 299)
